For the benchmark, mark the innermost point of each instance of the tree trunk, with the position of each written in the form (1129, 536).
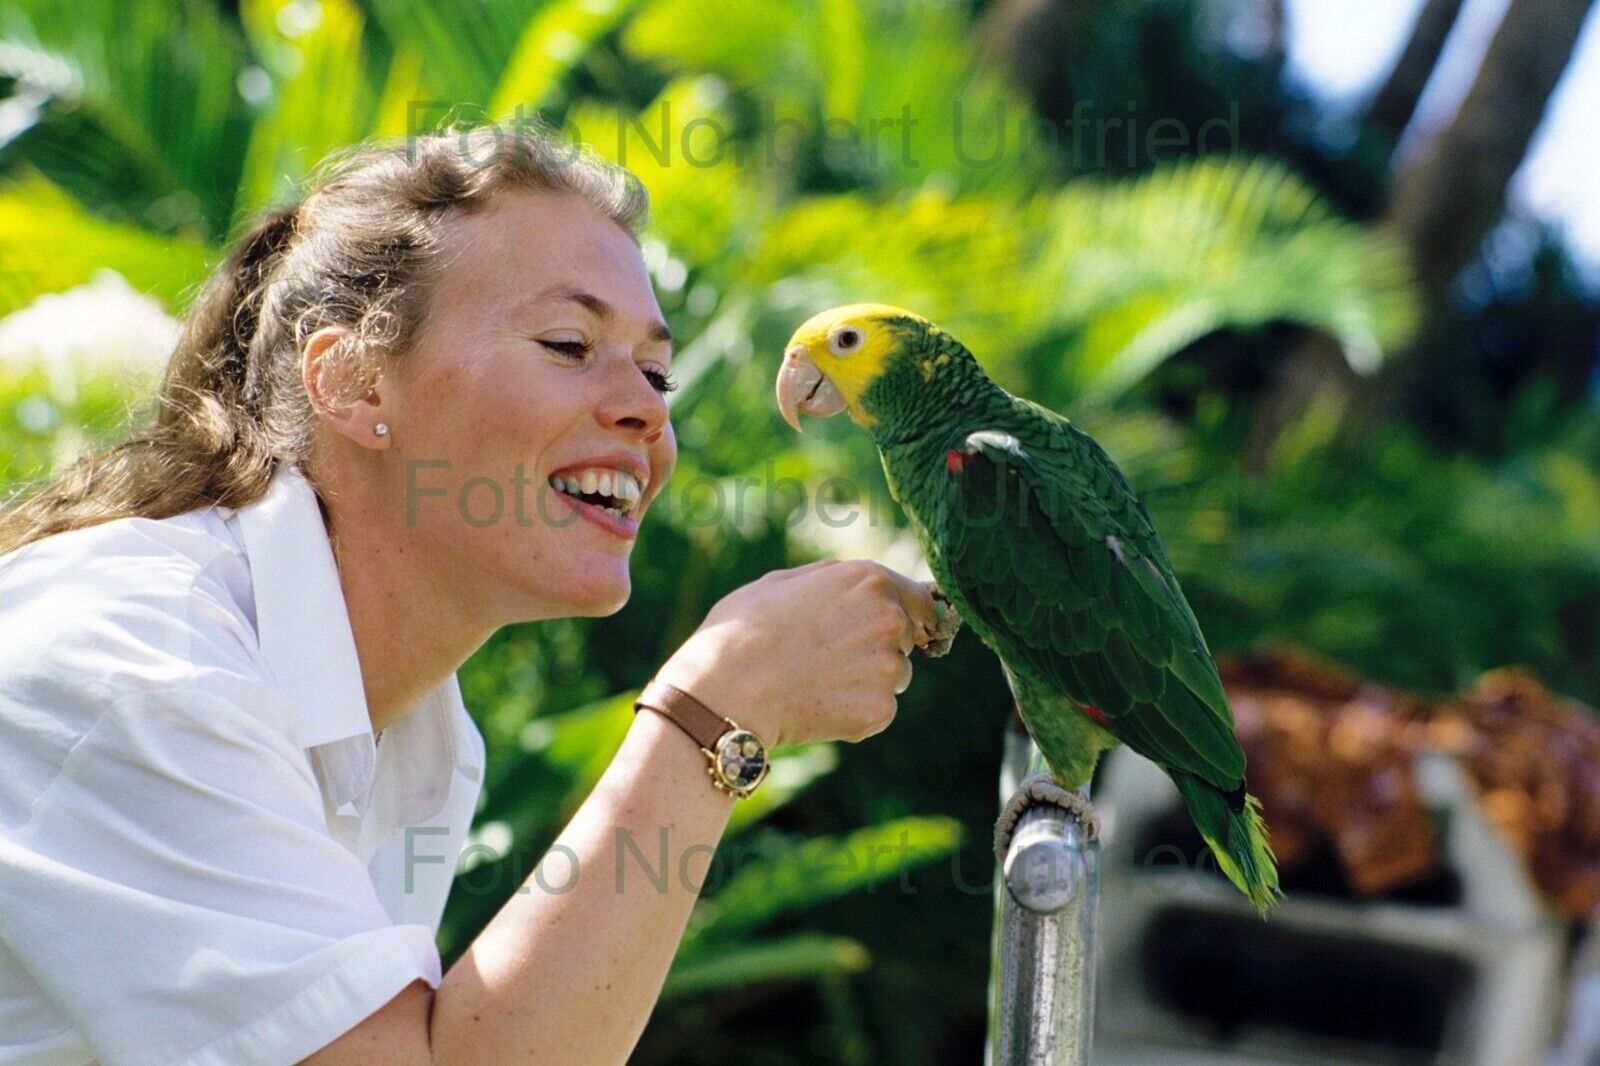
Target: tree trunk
(1445, 205)
(1396, 102)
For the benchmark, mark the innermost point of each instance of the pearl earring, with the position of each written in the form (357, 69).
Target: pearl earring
(381, 429)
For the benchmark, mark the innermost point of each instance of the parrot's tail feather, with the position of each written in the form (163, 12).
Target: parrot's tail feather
(1238, 838)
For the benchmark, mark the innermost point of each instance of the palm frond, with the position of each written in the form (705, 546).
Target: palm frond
(49, 243)
(799, 957)
(959, 260)
(109, 130)
(751, 43)
(1133, 272)
(822, 74)
(319, 98)
(788, 875)
(705, 203)
(465, 46)
(551, 44)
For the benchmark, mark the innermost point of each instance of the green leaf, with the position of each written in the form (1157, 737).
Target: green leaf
(397, 111)
(148, 111)
(466, 46)
(703, 202)
(1134, 272)
(960, 260)
(553, 42)
(817, 869)
(320, 98)
(49, 242)
(765, 43)
(802, 957)
(44, 427)
(906, 120)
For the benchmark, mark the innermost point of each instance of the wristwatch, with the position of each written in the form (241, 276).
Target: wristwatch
(738, 758)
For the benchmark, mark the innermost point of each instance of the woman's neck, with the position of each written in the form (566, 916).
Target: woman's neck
(410, 632)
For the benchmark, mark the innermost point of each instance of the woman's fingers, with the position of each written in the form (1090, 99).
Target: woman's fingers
(908, 637)
(917, 602)
(905, 677)
(921, 621)
(797, 571)
(806, 653)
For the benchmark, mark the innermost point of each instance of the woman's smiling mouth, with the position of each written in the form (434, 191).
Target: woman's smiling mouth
(615, 491)
(604, 493)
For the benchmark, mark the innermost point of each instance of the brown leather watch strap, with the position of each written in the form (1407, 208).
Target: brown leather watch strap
(692, 716)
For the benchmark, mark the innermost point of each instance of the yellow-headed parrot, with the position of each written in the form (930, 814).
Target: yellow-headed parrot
(1037, 540)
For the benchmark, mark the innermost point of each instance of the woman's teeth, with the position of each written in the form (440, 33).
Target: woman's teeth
(612, 490)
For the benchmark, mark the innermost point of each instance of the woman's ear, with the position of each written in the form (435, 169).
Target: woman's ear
(345, 391)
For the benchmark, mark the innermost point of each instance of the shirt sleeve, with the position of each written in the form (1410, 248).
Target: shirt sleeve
(176, 892)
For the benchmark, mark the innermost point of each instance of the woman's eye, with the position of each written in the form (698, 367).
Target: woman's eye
(660, 380)
(573, 349)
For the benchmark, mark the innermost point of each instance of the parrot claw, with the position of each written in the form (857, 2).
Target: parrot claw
(949, 624)
(1041, 788)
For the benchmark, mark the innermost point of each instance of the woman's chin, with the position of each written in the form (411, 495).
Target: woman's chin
(583, 583)
(600, 594)
(600, 608)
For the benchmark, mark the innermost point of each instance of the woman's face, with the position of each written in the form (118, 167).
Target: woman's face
(529, 429)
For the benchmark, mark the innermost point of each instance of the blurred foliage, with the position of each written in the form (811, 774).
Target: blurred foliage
(1522, 347)
(800, 155)
(50, 242)
(1418, 567)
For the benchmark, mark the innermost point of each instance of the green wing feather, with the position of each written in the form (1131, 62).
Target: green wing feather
(1063, 575)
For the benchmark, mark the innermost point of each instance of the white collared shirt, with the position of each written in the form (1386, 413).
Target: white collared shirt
(205, 858)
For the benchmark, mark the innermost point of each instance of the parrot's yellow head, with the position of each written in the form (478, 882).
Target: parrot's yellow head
(834, 356)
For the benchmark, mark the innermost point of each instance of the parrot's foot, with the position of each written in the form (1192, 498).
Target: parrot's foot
(949, 624)
(1041, 788)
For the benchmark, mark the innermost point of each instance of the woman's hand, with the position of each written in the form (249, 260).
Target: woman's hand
(818, 652)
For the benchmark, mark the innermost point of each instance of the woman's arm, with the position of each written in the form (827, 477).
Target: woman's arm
(571, 972)
(576, 975)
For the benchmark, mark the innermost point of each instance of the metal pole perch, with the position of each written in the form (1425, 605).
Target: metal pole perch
(1041, 987)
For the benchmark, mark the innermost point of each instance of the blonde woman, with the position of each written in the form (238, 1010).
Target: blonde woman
(237, 770)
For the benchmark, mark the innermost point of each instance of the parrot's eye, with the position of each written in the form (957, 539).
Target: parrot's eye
(845, 340)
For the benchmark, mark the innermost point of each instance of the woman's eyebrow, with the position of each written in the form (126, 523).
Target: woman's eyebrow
(599, 308)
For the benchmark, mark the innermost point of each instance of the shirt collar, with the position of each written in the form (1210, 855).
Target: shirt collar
(301, 619)
(304, 629)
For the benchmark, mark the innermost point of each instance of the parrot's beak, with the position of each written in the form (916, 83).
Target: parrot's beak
(803, 389)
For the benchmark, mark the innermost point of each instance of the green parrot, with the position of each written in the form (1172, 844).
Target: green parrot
(1038, 542)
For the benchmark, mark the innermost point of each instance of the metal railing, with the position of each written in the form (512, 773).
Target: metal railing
(1042, 968)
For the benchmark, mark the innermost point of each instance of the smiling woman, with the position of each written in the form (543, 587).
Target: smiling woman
(205, 855)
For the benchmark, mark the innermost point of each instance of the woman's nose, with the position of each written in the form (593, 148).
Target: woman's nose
(631, 403)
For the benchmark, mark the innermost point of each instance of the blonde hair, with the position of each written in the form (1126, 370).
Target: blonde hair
(361, 251)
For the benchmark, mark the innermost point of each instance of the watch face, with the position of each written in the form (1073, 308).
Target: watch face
(741, 759)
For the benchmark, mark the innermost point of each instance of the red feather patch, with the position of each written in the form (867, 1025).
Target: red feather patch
(955, 461)
(1096, 715)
